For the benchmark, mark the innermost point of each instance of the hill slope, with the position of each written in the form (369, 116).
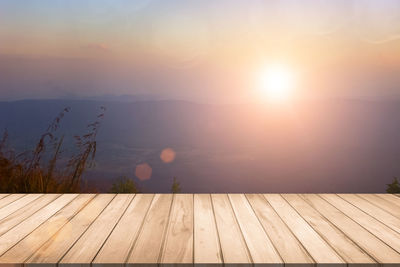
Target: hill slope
(331, 146)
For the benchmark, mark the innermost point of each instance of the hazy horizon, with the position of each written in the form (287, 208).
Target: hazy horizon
(329, 146)
(200, 51)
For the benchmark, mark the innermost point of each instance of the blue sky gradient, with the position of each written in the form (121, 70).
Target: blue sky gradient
(198, 50)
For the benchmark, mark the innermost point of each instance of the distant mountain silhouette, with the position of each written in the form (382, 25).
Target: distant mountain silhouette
(120, 98)
(322, 146)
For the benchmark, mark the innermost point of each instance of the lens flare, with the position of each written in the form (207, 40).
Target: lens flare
(167, 155)
(143, 171)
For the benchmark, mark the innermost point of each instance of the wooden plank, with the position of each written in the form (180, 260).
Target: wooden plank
(315, 245)
(203, 228)
(118, 245)
(260, 246)
(377, 249)
(343, 245)
(52, 251)
(16, 204)
(17, 233)
(27, 246)
(86, 248)
(390, 198)
(9, 199)
(178, 245)
(206, 241)
(3, 195)
(374, 211)
(377, 228)
(151, 237)
(382, 203)
(233, 246)
(26, 211)
(289, 248)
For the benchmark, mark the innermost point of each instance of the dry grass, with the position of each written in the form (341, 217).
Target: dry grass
(39, 170)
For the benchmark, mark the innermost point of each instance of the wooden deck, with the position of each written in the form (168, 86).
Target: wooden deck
(201, 228)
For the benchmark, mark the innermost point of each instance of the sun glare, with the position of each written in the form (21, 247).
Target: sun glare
(277, 83)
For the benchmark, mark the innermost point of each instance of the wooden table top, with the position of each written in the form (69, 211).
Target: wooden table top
(279, 229)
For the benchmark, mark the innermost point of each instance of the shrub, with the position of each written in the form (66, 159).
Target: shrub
(176, 186)
(124, 185)
(394, 187)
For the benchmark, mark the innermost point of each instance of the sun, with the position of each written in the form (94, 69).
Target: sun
(277, 82)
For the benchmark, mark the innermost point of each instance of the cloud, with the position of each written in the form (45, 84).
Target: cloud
(97, 47)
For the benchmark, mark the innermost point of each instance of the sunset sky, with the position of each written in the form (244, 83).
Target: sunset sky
(205, 51)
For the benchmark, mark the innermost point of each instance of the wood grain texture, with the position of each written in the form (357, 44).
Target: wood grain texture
(17, 233)
(343, 245)
(233, 245)
(380, 230)
(151, 238)
(395, 200)
(19, 202)
(314, 243)
(381, 215)
(27, 246)
(206, 229)
(377, 249)
(178, 245)
(24, 212)
(55, 248)
(260, 246)
(206, 241)
(119, 244)
(289, 248)
(382, 203)
(86, 248)
(9, 199)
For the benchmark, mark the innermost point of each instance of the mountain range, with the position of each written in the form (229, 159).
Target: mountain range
(314, 146)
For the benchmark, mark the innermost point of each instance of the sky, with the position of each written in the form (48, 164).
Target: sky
(204, 51)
